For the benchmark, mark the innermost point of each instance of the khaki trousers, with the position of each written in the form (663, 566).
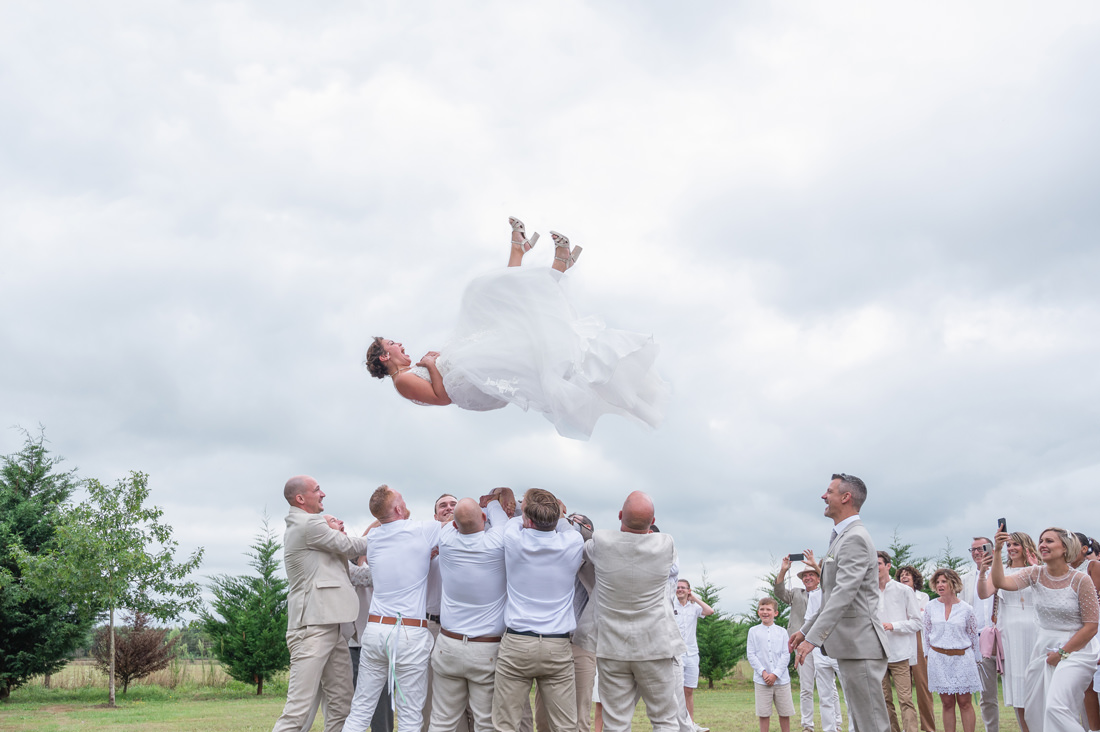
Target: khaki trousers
(899, 672)
(318, 659)
(547, 661)
(990, 704)
(659, 682)
(924, 696)
(584, 667)
(462, 673)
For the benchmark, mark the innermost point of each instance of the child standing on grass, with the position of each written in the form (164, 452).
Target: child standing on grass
(769, 658)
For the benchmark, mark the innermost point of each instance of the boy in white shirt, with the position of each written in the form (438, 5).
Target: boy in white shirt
(769, 657)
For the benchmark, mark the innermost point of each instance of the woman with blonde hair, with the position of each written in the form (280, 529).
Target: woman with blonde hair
(1066, 649)
(951, 644)
(1015, 612)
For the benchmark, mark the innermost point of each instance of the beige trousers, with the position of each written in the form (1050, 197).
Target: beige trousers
(547, 661)
(462, 673)
(584, 667)
(924, 697)
(899, 672)
(659, 682)
(318, 658)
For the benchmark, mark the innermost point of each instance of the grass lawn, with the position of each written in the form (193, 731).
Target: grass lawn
(229, 706)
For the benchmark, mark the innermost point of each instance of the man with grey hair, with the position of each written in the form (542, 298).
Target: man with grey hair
(846, 626)
(320, 599)
(978, 592)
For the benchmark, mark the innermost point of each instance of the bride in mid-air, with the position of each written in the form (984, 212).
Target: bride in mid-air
(518, 340)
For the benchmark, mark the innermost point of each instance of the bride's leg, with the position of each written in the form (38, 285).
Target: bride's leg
(520, 243)
(563, 257)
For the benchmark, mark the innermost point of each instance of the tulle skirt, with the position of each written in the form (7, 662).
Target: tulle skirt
(519, 341)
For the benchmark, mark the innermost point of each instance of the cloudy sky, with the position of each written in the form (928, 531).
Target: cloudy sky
(862, 235)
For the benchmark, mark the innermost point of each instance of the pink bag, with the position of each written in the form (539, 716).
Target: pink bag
(989, 641)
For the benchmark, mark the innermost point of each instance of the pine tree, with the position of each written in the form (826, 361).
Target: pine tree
(250, 637)
(140, 649)
(38, 629)
(721, 640)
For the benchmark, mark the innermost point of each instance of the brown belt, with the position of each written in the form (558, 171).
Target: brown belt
(479, 639)
(386, 620)
(950, 651)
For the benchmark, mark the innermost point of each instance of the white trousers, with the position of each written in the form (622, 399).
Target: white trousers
(410, 649)
(825, 676)
(319, 662)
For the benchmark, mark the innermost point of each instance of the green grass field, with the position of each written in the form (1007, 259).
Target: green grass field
(200, 698)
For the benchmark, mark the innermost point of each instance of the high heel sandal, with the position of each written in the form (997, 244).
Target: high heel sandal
(527, 244)
(562, 242)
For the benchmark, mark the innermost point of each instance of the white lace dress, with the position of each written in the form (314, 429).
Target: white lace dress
(1017, 622)
(951, 674)
(519, 341)
(1062, 604)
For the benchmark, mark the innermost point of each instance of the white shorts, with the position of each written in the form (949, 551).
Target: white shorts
(690, 662)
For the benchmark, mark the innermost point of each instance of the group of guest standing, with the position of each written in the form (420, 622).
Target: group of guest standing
(1045, 605)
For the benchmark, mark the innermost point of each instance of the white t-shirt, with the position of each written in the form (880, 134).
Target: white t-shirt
(474, 589)
(398, 554)
(541, 567)
(687, 617)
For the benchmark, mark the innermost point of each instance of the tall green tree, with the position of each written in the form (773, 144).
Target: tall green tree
(721, 640)
(250, 634)
(38, 630)
(114, 552)
(901, 554)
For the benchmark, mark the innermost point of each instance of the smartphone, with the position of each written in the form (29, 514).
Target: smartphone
(797, 557)
(987, 548)
(1002, 525)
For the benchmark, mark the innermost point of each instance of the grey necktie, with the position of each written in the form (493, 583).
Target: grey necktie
(832, 537)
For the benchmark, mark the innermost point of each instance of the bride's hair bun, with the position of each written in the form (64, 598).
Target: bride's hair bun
(374, 363)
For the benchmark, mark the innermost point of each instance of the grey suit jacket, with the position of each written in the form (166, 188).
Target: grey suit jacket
(798, 599)
(634, 619)
(846, 626)
(316, 558)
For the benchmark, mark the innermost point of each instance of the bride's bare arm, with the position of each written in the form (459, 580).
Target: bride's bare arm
(415, 388)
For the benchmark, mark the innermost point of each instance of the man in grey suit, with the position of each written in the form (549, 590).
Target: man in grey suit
(845, 627)
(320, 599)
(638, 644)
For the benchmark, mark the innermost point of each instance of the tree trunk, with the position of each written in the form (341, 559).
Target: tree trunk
(46, 681)
(260, 687)
(111, 672)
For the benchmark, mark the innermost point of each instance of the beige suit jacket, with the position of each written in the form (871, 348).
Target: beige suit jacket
(316, 558)
(634, 619)
(846, 626)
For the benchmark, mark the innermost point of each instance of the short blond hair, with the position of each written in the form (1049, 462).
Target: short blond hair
(380, 501)
(1070, 542)
(767, 601)
(952, 578)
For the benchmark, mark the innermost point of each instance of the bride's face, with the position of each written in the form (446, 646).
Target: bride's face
(395, 354)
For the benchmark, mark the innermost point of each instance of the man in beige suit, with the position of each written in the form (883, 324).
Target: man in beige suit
(638, 644)
(846, 627)
(320, 599)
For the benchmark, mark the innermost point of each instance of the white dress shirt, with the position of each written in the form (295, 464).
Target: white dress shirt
(399, 553)
(541, 568)
(897, 604)
(813, 602)
(983, 609)
(687, 617)
(766, 649)
(474, 591)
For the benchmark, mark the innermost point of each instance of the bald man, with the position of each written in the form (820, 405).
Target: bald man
(474, 592)
(320, 598)
(638, 644)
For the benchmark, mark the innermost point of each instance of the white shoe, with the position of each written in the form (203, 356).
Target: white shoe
(701, 728)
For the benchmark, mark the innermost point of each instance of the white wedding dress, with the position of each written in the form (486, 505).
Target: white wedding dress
(519, 341)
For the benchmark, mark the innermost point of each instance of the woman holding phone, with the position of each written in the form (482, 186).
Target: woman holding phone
(1064, 657)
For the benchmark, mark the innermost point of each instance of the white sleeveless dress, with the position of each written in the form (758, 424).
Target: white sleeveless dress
(519, 341)
(1017, 622)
